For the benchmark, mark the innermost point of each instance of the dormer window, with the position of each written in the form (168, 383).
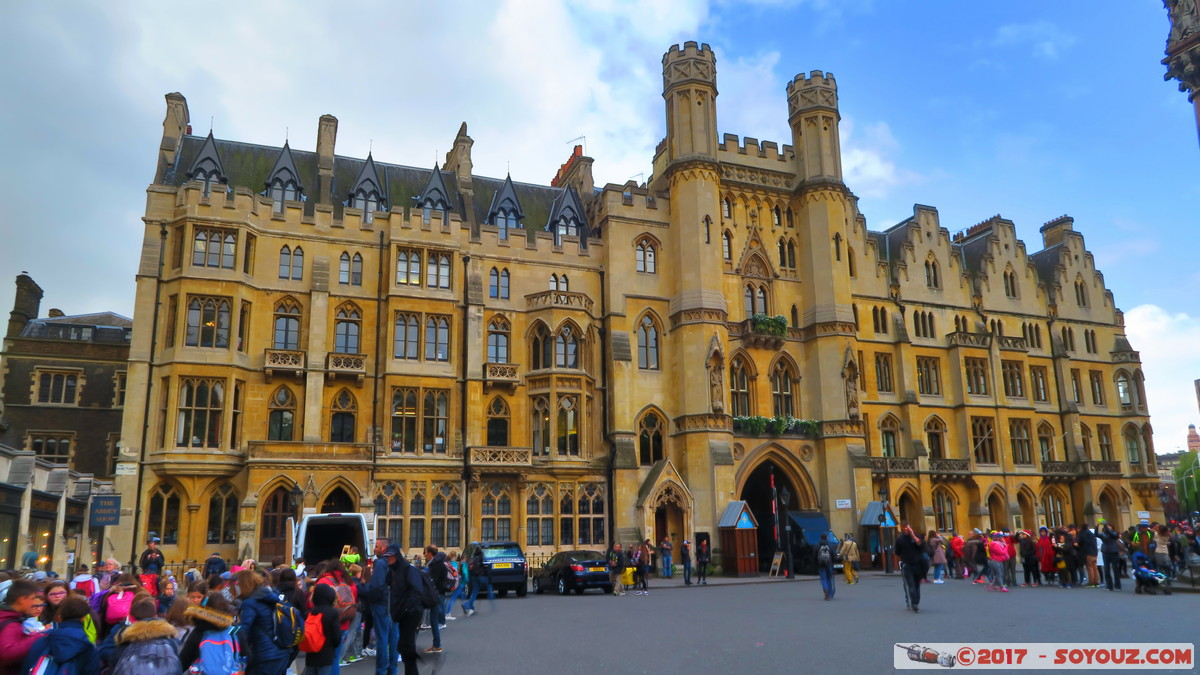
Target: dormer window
(565, 227)
(209, 181)
(505, 220)
(282, 192)
(368, 201)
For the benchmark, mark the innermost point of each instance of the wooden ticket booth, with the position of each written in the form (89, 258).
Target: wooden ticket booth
(739, 541)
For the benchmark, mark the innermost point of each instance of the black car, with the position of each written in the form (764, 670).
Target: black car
(506, 562)
(573, 571)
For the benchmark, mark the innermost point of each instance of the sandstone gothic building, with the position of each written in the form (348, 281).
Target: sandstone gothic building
(468, 358)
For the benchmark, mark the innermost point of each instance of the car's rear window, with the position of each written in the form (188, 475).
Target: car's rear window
(501, 552)
(580, 556)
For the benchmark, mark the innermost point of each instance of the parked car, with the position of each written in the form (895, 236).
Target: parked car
(506, 562)
(573, 571)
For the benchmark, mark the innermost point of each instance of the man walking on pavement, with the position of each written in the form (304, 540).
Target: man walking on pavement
(378, 599)
(912, 559)
(405, 605)
(849, 555)
(702, 559)
(435, 563)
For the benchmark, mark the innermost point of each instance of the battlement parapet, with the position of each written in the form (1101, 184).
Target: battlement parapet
(689, 49)
(816, 90)
(814, 79)
(754, 147)
(693, 64)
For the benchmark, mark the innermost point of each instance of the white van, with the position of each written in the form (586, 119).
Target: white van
(321, 536)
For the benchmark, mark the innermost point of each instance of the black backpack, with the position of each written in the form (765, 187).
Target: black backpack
(422, 592)
(825, 556)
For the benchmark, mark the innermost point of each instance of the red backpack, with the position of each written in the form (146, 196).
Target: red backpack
(87, 587)
(314, 634)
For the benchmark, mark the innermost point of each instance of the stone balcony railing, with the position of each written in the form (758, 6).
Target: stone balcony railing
(949, 468)
(502, 373)
(893, 465)
(1016, 344)
(501, 458)
(756, 336)
(1061, 471)
(298, 452)
(283, 360)
(965, 339)
(564, 299)
(1104, 468)
(354, 365)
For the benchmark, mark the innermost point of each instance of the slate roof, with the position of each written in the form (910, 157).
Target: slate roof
(285, 169)
(507, 193)
(249, 165)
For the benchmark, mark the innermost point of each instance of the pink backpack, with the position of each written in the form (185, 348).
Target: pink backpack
(117, 608)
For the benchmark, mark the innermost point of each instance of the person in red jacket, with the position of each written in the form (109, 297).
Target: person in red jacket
(956, 559)
(1045, 554)
(23, 601)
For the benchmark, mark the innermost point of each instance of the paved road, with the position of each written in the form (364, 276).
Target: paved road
(777, 625)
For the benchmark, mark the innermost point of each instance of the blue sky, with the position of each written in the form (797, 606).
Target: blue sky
(1025, 109)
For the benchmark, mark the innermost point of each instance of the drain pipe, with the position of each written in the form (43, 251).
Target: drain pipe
(604, 421)
(380, 341)
(462, 406)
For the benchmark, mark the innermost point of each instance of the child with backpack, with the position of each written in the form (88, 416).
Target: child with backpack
(144, 645)
(84, 582)
(66, 647)
(321, 655)
(212, 647)
(114, 605)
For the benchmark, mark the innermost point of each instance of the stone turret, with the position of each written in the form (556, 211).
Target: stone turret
(814, 117)
(690, 90)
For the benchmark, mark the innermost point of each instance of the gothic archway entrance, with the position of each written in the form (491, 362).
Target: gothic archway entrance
(1109, 509)
(997, 510)
(757, 494)
(337, 501)
(273, 534)
(1028, 513)
(910, 512)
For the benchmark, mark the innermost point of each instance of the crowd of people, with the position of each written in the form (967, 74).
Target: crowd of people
(632, 568)
(233, 620)
(1065, 557)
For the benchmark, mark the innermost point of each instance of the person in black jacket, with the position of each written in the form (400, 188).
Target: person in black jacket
(1088, 552)
(405, 605)
(912, 557)
(1112, 556)
(321, 663)
(215, 564)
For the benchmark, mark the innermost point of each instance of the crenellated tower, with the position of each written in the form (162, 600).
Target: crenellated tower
(813, 115)
(690, 90)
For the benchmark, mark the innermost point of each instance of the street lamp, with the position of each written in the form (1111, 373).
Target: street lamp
(296, 496)
(884, 548)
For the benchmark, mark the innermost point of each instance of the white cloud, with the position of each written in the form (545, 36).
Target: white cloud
(1170, 362)
(867, 164)
(1043, 37)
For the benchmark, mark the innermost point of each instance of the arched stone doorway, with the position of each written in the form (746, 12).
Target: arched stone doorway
(1028, 512)
(1110, 511)
(997, 510)
(910, 512)
(756, 492)
(337, 501)
(274, 532)
(668, 511)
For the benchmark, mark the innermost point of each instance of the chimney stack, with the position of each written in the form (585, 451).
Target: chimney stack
(26, 304)
(326, 140)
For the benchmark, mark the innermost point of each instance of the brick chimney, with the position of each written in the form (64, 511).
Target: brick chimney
(26, 304)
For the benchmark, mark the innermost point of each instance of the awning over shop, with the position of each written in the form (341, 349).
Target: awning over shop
(871, 514)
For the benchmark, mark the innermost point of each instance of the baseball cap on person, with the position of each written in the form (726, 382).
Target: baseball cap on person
(155, 540)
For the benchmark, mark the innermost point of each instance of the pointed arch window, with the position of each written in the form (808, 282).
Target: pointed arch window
(591, 515)
(935, 438)
(1133, 445)
(726, 208)
(1081, 296)
(445, 523)
(755, 298)
(437, 338)
(498, 283)
(566, 349)
(650, 438)
(781, 391)
(644, 256)
(539, 531)
(346, 330)
(223, 516)
(567, 426)
(776, 217)
(407, 339)
(943, 510)
(213, 248)
(739, 388)
(850, 262)
(287, 325)
(408, 267)
(647, 337)
(497, 340)
(389, 520)
(566, 512)
(560, 283)
(540, 423)
(497, 423)
(932, 274)
(983, 439)
(404, 420)
(342, 417)
(437, 270)
(1046, 442)
(542, 348)
(889, 431)
(368, 201)
(1010, 283)
(163, 514)
(416, 512)
(201, 404)
(281, 419)
(285, 262)
(496, 508)
(1052, 505)
(350, 269)
(208, 322)
(1086, 437)
(1124, 390)
(435, 420)
(727, 245)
